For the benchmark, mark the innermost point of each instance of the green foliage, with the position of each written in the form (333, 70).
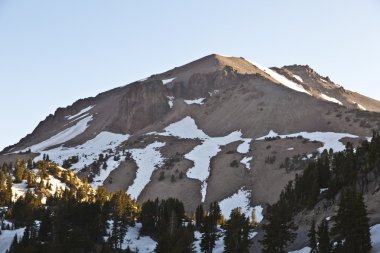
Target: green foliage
(351, 229)
(279, 229)
(236, 238)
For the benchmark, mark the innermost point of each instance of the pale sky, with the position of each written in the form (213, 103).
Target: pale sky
(55, 52)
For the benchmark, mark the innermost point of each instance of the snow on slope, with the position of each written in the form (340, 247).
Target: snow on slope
(170, 101)
(247, 162)
(104, 173)
(298, 78)
(133, 239)
(201, 155)
(79, 113)
(375, 238)
(329, 139)
(166, 81)
(6, 238)
(241, 199)
(281, 79)
(331, 99)
(198, 101)
(219, 244)
(147, 159)
(19, 190)
(64, 136)
(87, 152)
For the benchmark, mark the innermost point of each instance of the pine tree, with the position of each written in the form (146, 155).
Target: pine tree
(324, 244)
(351, 228)
(236, 238)
(199, 216)
(209, 234)
(312, 238)
(279, 229)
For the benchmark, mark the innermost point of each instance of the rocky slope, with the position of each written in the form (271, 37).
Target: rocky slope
(217, 129)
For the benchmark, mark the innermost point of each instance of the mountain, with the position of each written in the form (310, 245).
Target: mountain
(217, 129)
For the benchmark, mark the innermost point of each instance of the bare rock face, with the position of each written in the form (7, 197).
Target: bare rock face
(179, 133)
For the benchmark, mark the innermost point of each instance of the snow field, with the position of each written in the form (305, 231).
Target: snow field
(241, 200)
(281, 79)
(202, 154)
(64, 136)
(329, 139)
(331, 99)
(147, 160)
(198, 101)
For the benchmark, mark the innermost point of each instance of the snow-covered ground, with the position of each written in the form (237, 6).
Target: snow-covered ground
(87, 152)
(166, 81)
(298, 78)
(170, 101)
(79, 113)
(104, 173)
(6, 238)
(202, 154)
(19, 190)
(281, 79)
(329, 139)
(241, 200)
(147, 159)
(247, 162)
(64, 136)
(133, 240)
(198, 101)
(331, 99)
(375, 238)
(219, 244)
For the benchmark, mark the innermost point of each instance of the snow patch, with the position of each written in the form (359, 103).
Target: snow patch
(290, 149)
(201, 155)
(133, 240)
(166, 81)
(198, 101)
(331, 99)
(247, 162)
(19, 190)
(79, 113)
(282, 79)
(170, 101)
(304, 250)
(64, 136)
(219, 244)
(87, 152)
(241, 200)
(375, 238)
(298, 78)
(6, 238)
(329, 139)
(147, 160)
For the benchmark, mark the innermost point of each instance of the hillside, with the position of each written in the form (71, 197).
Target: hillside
(219, 129)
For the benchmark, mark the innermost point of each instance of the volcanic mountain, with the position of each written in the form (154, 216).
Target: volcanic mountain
(217, 129)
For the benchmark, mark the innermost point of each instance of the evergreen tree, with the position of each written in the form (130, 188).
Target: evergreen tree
(237, 232)
(312, 238)
(199, 216)
(324, 244)
(351, 228)
(279, 229)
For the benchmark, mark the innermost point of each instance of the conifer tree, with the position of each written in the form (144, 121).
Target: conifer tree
(324, 244)
(351, 229)
(279, 229)
(312, 238)
(236, 238)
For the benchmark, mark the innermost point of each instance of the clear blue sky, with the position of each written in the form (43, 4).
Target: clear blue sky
(55, 52)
